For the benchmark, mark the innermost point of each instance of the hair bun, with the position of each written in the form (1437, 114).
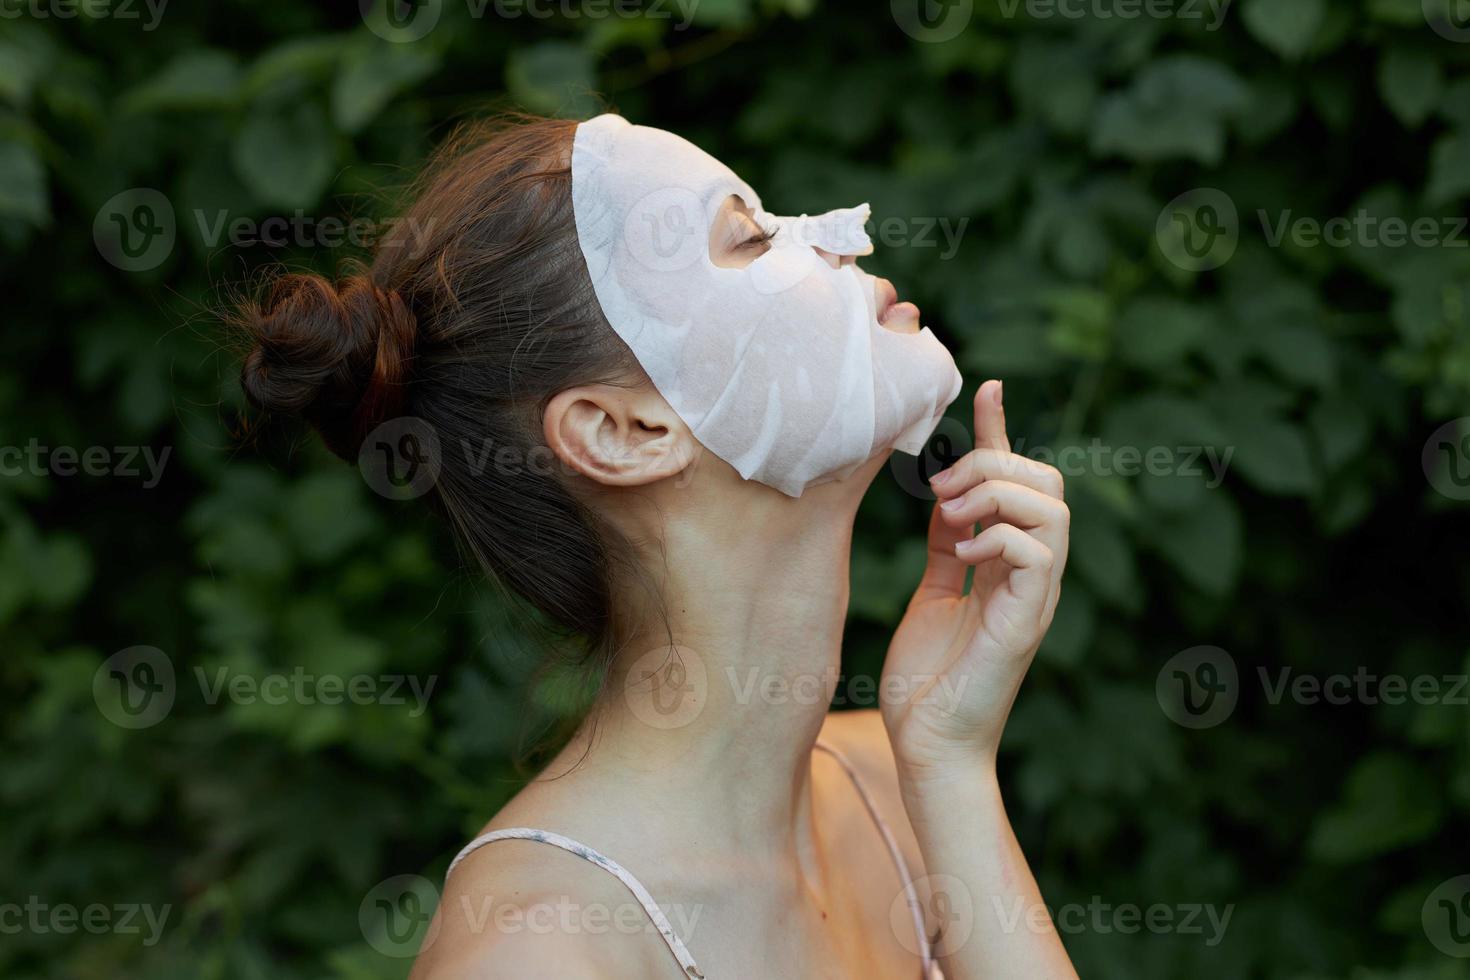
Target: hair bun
(334, 355)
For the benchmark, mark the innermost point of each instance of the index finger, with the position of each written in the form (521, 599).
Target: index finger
(990, 418)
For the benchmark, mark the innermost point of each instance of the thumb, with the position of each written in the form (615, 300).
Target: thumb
(990, 418)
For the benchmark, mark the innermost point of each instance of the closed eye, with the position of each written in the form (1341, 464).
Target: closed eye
(756, 241)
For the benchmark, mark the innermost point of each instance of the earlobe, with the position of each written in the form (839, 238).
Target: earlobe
(617, 436)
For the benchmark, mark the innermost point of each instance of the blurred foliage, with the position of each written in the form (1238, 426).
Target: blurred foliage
(1058, 140)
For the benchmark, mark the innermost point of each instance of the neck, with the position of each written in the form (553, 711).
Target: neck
(716, 701)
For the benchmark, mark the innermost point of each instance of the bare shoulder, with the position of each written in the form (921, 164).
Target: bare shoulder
(863, 742)
(519, 909)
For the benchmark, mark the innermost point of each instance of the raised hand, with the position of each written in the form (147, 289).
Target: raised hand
(958, 658)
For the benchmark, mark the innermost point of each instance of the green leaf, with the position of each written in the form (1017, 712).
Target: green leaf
(1341, 427)
(326, 515)
(1067, 642)
(1388, 803)
(882, 584)
(23, 192)
(1287, 27)
(553, 77)
(371, 74)
(1449, 169)
(1177, 107)
(286, 155)
(294, 64)
(1157, 331)
(1300, 353)
(1012, 348)
(718, 13)
(1411, 83)
(197, 79)
(61, 569)
(1454, 105)
(1404, 13)
(1056, 80)
(1101, 552)
(1273, 455)
(26, 52)
(1204, 544)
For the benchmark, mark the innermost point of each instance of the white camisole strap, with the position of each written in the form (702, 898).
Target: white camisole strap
(676, 946)
(660, 921)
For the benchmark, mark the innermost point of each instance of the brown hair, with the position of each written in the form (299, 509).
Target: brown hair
(471, 318)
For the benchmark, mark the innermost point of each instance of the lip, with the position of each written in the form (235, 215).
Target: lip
(888, 304)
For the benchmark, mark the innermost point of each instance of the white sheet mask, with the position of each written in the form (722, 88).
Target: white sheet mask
(779, 368)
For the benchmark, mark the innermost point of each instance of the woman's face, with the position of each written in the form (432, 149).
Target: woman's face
(737, 239)
(782, 357)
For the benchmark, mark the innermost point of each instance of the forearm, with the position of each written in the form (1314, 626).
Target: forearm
(994, 924)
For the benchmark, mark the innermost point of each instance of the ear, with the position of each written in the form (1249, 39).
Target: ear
(618, 436)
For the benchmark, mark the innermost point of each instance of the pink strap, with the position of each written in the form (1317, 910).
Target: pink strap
(931, 967)
(660, 921)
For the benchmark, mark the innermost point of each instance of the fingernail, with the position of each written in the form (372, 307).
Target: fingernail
(952, 504)
(999, 385)
(940, 477)
(964, 547)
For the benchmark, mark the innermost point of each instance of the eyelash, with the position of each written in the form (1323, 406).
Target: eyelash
(760, 239)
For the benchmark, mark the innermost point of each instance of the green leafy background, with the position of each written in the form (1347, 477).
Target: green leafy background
(1060, 139)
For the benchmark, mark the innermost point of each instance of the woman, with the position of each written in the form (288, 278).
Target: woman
(684, 397)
